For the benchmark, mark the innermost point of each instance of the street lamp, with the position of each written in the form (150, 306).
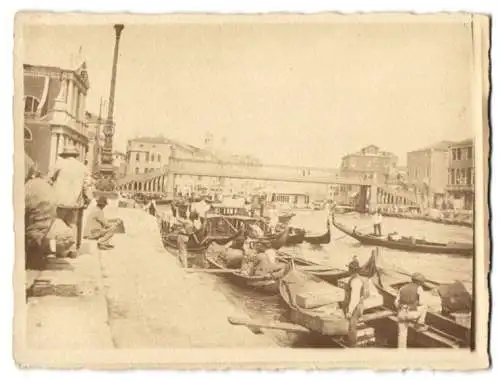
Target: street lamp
(107, 182)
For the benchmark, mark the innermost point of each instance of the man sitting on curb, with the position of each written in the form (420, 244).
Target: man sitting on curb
(98, 227)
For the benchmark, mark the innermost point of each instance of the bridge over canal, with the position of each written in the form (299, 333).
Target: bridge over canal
(162, 182)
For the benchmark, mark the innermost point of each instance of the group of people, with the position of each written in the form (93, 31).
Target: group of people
(54, 206)
(410, 302)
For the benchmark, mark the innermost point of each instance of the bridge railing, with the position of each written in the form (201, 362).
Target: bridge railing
(250, 171)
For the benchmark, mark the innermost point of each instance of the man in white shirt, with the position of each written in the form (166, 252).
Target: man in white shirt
(70, 181)
(273, 219)
(377, 223)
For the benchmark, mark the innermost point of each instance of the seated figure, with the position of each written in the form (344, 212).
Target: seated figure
(98, 227)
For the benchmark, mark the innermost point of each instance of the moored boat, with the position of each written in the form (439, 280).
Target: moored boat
(408, 243)
(317, 306)
(266, 283)
(449, 306)
(443, 331)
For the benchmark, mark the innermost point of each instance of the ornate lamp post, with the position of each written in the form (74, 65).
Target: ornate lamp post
(107, 182)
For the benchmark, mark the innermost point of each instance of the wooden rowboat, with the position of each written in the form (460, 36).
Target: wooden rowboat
(453, 330)
(443, 332)
(407, 244)
(324, 317)
(262, 283)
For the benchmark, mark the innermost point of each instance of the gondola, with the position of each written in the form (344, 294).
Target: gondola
(380, 314)
(446, 330)
(262, 283)
(454, 325)
(193, 246)
(317, 306)
(408, 244)
(322, 239)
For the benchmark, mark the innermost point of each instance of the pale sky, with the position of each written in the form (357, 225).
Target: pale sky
(288, 94)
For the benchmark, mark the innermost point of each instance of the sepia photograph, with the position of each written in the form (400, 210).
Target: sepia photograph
(252, 191)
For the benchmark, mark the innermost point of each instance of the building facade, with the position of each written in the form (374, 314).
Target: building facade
(95, 125)
(147, 154)
(54, 118)
(370, 162)
(120, 164)
(460, 189)
(428, 172)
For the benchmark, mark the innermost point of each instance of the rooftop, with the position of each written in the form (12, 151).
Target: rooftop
(440, 146)
(80, 71)
(464, 142)
(365, 151)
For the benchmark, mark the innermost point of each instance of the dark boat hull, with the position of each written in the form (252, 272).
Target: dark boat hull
(319, 240)
(427, 247)
(263, 284)
(457, 332)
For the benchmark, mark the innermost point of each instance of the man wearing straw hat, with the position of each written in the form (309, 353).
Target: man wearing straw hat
(70, 181)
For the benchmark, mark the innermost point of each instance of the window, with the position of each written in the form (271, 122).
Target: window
(152, 157)
(469, 176)
(159, 158)
(147, 157)
(469, 153)
(77, 108)
(454, 154)
(137, 157)
(452, 176)
(459, 154)
(31, 104)
(137, 170)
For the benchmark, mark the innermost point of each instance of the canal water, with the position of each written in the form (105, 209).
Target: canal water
(439, 267)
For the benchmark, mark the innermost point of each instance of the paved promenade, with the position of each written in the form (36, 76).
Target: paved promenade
(134, 296)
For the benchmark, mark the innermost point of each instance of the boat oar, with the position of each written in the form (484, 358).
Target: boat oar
(213, 271)
(256, 327)
(349, 234)
(430, 283)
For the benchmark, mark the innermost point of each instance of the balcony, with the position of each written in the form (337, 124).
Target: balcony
(460, 187)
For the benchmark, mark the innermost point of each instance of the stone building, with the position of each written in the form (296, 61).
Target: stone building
(460, 188)
(147, 154)
(95, 125)
(120, 163)
(54, 104)
(370, 162)
(428, 172)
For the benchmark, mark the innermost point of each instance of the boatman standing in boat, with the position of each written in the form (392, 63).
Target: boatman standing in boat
(411, 306)
(377, 223)
(356, 292)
